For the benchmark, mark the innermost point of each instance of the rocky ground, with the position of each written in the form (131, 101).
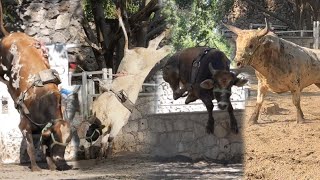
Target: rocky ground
(277, 147)
(130, 166)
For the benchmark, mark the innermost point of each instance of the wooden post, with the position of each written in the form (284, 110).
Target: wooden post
(316, 28)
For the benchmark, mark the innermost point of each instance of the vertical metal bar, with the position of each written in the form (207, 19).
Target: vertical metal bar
(314, 34)
(317, 35)
(84, 95)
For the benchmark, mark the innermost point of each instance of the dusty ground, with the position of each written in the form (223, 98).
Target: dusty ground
(278, 147)
(130, 166)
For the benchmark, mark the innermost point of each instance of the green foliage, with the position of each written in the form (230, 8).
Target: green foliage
(193, 23)
(132, 6)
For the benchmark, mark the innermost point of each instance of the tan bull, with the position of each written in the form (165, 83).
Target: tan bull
(280, 65)
(135, 66)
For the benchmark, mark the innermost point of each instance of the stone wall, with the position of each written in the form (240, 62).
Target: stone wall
(57, 21)
(169, 135)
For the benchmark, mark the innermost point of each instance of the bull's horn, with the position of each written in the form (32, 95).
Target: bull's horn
(232, 28)
(236, 72)
(265, 30)
(212, 70)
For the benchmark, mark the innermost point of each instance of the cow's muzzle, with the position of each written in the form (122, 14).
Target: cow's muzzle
(222, 105)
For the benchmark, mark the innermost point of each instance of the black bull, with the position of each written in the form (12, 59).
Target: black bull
(179, 73)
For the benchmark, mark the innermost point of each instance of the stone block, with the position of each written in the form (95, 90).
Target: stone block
(156, 126)
(141, 137)
(222, 156)
(187, 136)
(224, 145)
(208, 141)
(132, 126)
(169, 125)
(151, 138)
(45, 31)
(179, 124)
(236, 148)
(143, 124)
(63, 21)
(50, 23)
(199, 130)
(174, 137)
(212, 152)
(59, 37)
(221, 129)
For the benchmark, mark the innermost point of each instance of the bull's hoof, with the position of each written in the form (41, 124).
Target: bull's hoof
(64, 167)
(253, 120)
(52, 167)
(100, 160)
(300, 121)
(235, 129)
(210, 129)
(35, 168)
(251, 123)
(109, 152)
(176, 96)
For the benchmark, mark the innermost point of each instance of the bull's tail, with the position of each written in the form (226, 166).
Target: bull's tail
(3, 30)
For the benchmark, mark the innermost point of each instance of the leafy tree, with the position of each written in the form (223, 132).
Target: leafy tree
(142, 18)
(194, 23)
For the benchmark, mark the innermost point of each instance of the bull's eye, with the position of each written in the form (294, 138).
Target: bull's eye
(250, 46)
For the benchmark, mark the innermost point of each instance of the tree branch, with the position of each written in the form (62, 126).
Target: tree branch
(271, 14)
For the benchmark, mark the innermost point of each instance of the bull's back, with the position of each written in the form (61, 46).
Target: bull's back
(24, 60)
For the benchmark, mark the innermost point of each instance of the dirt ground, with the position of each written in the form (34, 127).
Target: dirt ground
(130, 166)
(278, 147)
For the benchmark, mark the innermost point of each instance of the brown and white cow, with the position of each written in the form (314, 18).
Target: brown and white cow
(23, 69)
(280, 65)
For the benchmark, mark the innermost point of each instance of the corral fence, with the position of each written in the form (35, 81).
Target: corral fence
(160, 94)
(307, 38)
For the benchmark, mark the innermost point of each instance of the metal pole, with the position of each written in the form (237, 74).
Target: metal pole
(316, 25)
(317, 37)
(84, 92)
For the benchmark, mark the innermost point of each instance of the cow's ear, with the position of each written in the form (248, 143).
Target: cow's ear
(207, 84)
(102, 127)
(240, 82)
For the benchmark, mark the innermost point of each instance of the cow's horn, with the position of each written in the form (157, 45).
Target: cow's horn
(236, 72)
(232, 28)
(212, 70)
(265, 30)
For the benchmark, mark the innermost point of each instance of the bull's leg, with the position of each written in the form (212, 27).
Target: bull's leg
(107, 141)
(296, 101)
(191, 98)
(110, 145)
(49, 159)
(181, 91)
(262, 91)
(104, 145)
(30, 149)
(209, 105)
(233, 121)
